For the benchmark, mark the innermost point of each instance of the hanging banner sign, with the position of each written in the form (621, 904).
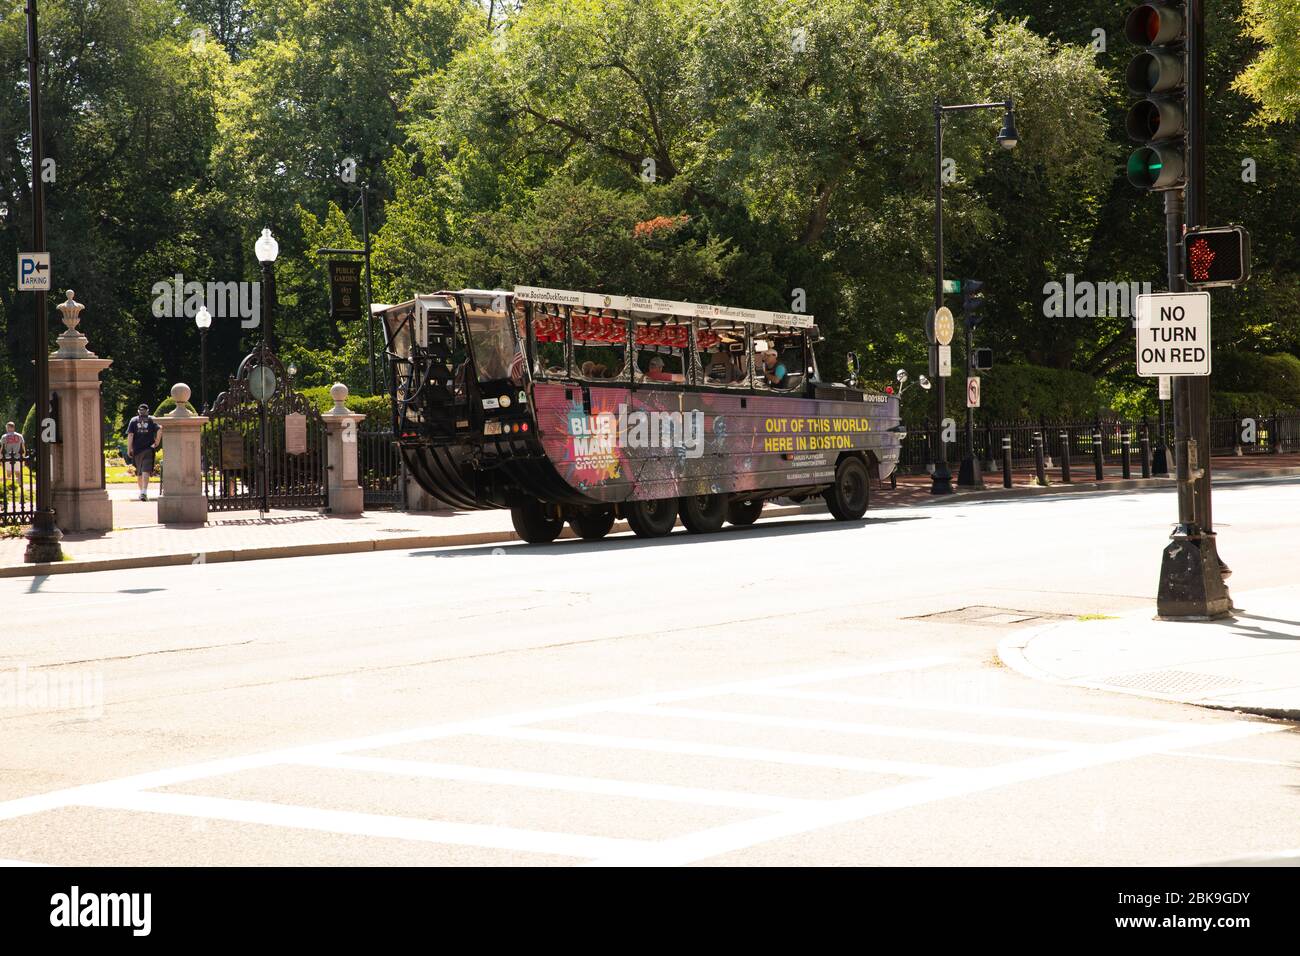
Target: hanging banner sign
(345, 290)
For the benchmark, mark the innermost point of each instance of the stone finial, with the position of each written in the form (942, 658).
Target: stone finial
(72, 344)
(339, 393)
(181, 396)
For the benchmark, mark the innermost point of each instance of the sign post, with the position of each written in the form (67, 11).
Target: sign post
(44, 536)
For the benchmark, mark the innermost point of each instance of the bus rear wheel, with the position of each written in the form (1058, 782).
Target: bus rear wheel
(847, 498)
(591, 524)
(743, 512)
(534, 524)
(702, 514)
(652, 519)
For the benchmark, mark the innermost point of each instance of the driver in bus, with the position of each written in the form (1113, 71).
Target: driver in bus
(773, 369)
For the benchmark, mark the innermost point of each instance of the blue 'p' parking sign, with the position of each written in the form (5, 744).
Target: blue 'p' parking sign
(33, 272)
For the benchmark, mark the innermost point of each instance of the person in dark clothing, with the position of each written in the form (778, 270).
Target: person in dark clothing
(142, 436)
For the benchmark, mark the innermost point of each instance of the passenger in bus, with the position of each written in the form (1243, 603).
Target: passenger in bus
(773, 369)
(656, 373)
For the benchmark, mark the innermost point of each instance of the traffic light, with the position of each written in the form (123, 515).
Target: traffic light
(1159, 119)
(981, 360)
(1214, 257)
(972, 301)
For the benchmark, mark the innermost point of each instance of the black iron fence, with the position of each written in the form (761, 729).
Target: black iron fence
(379, 466)
(17, 489)
(1261, 435)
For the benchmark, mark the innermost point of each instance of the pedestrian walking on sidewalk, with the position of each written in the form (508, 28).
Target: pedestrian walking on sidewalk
(142, 436)
(13, 450)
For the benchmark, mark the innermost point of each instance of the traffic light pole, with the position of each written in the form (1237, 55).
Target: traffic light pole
(941, 480)
(1191, 575)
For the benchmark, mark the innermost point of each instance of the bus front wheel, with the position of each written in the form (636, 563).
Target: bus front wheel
(702, 514)
(534, 524)
(651, 519)
(592, 524)
(847, 498)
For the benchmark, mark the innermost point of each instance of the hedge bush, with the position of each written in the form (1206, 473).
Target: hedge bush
(376, 408)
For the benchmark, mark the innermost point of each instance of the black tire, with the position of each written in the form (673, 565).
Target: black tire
(849, 496)
(592, 524)
(652, 519)
(534, 524)
(743, 512)
(702, 514)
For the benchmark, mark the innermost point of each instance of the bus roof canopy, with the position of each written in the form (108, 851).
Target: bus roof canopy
(643, 307)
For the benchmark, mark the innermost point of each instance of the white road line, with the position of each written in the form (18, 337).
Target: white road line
(974, 710)
(1254, 760)
(550, 781)
(850, 727)
(897, 768)
(706, 844)
(4, 863)
(361, 824)
(22, 806)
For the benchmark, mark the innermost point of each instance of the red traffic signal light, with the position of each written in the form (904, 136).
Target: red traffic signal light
(1216, 257)
(1153, 24)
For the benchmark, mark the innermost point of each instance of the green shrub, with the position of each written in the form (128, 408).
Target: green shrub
(168, 405)
(374, 407)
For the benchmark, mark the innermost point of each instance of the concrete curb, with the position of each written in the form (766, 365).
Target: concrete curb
(994, 493)
(361, 545)
(1011, 651)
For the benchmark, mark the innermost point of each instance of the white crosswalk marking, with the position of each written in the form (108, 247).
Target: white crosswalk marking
(763, 816)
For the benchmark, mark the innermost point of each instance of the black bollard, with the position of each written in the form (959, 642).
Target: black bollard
(1146, 452)
(1065, 458)
(1126, 455)
(1040, 471)
(1098, 461)
(1006, 462)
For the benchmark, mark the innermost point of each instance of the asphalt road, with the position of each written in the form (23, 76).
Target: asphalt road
(801, 692)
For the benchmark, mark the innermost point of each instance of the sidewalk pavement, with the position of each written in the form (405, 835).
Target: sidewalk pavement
(137, 540)
(1249, 662)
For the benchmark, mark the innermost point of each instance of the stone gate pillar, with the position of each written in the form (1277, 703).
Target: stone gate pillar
(182, 500)
(80, 499)
(344, 493)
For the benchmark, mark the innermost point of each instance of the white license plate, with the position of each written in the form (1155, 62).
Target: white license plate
(491, 428)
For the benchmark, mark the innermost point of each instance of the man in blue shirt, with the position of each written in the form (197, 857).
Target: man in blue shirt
(142, 434)
(772, 369)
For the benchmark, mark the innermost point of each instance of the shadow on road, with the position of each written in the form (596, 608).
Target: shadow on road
(768, 529)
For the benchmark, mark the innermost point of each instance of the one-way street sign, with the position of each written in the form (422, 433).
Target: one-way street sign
(33, 272)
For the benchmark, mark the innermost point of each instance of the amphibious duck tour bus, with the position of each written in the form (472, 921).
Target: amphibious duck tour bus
(583, 407)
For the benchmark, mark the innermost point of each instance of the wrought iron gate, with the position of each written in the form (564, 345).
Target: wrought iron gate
(17, 489)
(264, 445)
(379, 465)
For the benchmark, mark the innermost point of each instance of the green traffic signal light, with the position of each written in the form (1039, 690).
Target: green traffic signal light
(1155, 167)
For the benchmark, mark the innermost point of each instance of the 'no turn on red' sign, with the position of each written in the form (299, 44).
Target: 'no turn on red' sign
(1173, 334)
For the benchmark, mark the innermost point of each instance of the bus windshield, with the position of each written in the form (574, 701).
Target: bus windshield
(492, 342)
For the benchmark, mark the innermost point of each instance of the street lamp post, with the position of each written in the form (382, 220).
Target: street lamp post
(203, 319)
(941, 480)
(43, 536)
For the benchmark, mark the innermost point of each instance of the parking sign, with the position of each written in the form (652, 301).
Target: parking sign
(33, 272)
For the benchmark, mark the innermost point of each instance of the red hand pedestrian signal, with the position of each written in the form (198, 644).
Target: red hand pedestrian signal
(1216, 256)
(1201, 257)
